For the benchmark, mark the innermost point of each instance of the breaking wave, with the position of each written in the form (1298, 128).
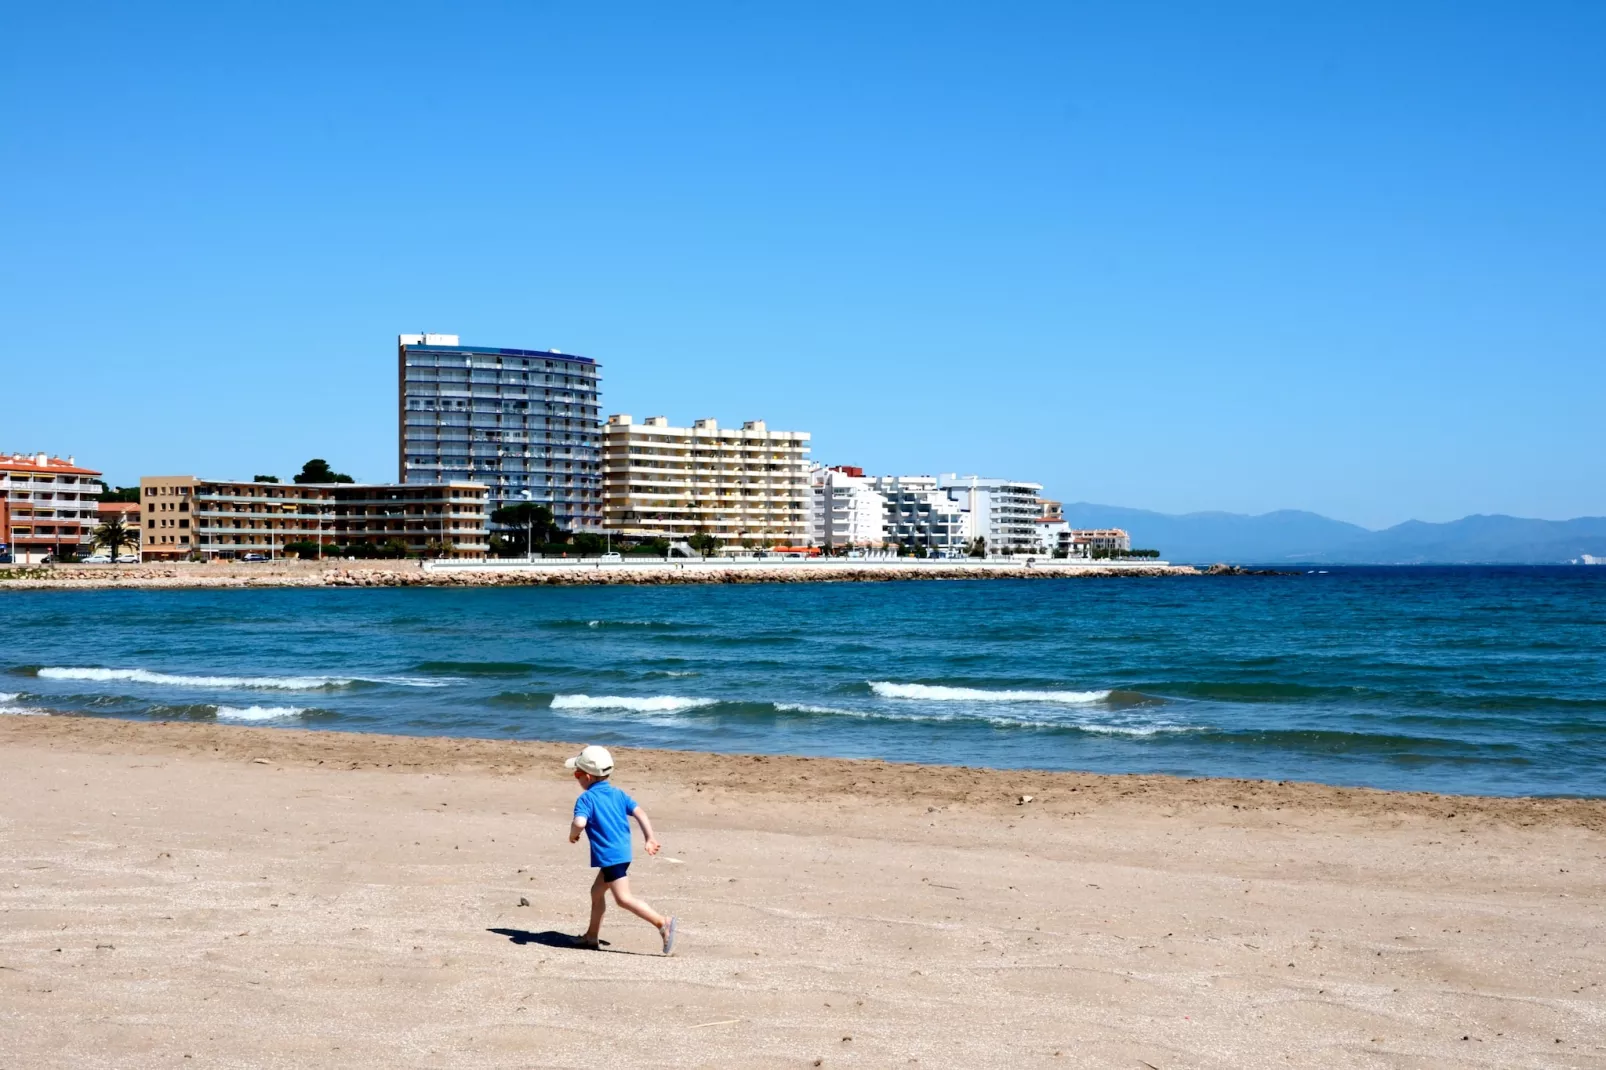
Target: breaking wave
(934, 693)
(652, 704)
(259, 713)
(264, 683)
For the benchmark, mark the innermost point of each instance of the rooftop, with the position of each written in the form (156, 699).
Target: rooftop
(43, 462)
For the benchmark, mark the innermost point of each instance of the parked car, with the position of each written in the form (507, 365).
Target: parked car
(611, 556)
(96, 559)
(254, 557)
(128, 559)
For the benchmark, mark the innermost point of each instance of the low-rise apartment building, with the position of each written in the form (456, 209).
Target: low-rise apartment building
(743, 487)
(185, 516)
(47, 507)
(130, 514)
(1002, 511)
(1082, 543)
(919, 514)
(847, 510)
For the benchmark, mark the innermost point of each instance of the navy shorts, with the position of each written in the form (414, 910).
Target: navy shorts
(613, 873)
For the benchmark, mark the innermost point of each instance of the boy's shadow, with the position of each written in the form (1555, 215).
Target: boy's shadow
(553, 938)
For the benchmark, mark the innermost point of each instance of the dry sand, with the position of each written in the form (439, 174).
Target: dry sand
(189, 895)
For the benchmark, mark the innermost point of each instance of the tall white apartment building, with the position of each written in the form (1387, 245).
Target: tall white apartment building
(743, 487)
(1002, 511)
(848, 511)
(920, 514)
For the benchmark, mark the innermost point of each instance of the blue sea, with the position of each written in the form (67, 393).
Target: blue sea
(1466, 680)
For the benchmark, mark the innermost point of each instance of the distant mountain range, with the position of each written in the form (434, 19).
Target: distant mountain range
(1290, 536)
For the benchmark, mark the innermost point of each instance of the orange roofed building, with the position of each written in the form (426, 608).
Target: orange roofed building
(47, 507)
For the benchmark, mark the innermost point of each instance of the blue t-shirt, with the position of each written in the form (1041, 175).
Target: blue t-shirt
(607, 812)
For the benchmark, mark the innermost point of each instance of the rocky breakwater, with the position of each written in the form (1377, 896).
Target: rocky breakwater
(696, 574)
(89, 577)
(409, 574)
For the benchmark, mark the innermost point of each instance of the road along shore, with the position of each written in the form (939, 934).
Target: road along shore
(557, 572)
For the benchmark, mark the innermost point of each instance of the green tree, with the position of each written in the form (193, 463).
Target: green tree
(978, 547)
(113, 534)
(121, 494)
(275, 479)
(704, 544)
(526, 525)
(589, 542)
(317, 470)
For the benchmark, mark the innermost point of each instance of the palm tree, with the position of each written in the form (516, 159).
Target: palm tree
(112, 534)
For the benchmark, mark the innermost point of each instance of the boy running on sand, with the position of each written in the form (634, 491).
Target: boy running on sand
(603, 813)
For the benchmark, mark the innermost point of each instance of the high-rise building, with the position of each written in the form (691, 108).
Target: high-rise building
(524, 422)
(743, 487)
(47, 507)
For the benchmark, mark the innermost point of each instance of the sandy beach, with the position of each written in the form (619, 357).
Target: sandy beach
(195, 895)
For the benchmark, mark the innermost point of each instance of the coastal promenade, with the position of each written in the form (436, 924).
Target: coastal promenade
(562, 572)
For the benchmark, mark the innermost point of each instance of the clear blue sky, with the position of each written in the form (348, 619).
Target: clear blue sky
(1348, 257)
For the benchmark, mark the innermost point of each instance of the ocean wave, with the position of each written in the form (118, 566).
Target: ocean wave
(827, 711)
(934, 693)
(477, 668)
(650, 625)
(264, 683)
(22, 711)
(10, 696)
(259, 713)
(649, 704)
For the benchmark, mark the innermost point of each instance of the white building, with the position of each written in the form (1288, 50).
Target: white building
(848, 511)
(47, 507)
(1002, 511)
(743, 487)
(921, 515)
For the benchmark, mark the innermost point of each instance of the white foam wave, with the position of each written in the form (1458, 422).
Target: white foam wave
(1052, 723)
(264, 683)
(10, 696)
(259, 713)
(932, 693)
(22, 711)
(652, 704)
(1135, 730)
(832, 711)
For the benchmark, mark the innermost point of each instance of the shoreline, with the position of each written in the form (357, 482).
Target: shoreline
(865, 779)
(551, 573)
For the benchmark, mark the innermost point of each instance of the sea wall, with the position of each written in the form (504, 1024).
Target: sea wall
(551, 573)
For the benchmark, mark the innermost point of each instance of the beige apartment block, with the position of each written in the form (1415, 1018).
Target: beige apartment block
(747, 487)
(184, 516)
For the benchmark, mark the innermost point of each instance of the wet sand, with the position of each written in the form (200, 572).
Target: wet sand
(198, 895)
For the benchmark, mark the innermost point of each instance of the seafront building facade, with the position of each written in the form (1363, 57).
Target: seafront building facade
(847, 510)
(185, 516)
(523, 422)
(47, 507)
(918, 514)
(743, 487)
(1004, 512)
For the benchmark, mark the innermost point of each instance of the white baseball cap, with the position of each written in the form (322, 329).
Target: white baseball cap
(594, 760)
